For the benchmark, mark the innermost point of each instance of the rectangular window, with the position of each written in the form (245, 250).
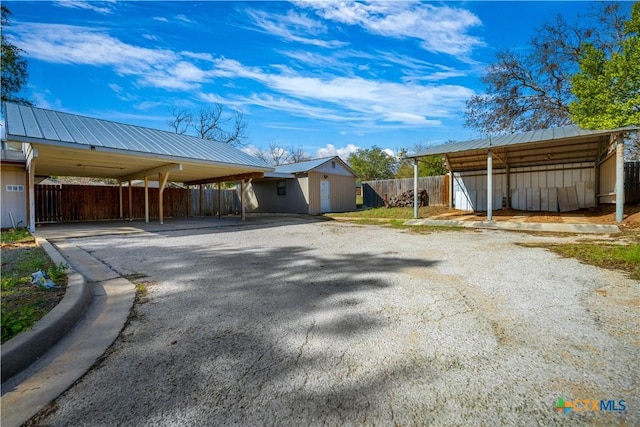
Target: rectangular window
(333, 164)
(15, 188)
(282, 188)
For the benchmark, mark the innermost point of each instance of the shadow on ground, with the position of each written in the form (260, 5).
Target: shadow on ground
(244, 334)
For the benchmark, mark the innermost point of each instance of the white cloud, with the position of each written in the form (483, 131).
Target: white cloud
(440, 29)
(293, 27)
(350, 98)
(331, 150)
(103, 7)
(66, 44)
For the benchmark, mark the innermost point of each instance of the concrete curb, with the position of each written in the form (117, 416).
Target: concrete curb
(521, 226)
(22, 350)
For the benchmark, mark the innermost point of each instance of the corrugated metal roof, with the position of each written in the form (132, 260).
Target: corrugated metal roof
(36, 125)
(534, 136)
(301, 167)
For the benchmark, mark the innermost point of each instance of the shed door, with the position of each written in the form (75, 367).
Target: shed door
(325, 196)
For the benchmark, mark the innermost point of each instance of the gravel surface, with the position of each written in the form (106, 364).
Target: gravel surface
(328, 323)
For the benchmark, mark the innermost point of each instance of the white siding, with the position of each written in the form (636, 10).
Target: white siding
(14, 201)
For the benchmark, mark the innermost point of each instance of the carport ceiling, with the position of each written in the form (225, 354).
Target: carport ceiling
(569, 144)
(72, 145)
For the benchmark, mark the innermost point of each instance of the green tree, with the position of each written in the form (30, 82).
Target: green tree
(372, 163)
(427, 166)
(530, 88)
(607, 87)
(14, 67)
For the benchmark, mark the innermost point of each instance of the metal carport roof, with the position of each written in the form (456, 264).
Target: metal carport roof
(73, 145)
(568, 144)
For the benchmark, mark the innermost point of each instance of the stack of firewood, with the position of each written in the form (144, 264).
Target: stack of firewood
(406, 199)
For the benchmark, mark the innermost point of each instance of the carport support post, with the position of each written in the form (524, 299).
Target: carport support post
(490, 186)
(450, 189)
(242, 199)
(120, 198)
(415, 188)
(146, 199)
(130, 203)
(162, 181)
(619, 178)
(31, 207)
(201, 200)
(219, 201)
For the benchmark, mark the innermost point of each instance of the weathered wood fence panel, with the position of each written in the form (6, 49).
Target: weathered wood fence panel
(375, 193)
(229, 202)
(47, 203)
(67, 203)
(632, 182)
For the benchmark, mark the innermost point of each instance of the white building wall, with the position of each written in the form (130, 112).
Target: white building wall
(533, 188)
(14, 197)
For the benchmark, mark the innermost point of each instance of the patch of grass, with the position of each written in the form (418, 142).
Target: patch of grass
(388, 213)
(141, 290)
(605, 255)
(16, 235)
(400, 224)
(22, 303)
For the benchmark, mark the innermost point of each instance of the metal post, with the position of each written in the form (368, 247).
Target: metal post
(415, 188)
(490, 186)
(450, 189)
(620, 178)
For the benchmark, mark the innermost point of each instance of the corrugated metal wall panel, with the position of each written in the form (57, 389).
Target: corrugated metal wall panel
(607, 180)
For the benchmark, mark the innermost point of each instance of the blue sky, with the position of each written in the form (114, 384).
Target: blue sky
(328, 77)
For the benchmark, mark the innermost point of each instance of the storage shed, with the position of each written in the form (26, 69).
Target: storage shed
(558, 169)
(41, 143)
(311, 187)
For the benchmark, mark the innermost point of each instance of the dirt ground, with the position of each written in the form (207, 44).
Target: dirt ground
(600, 215)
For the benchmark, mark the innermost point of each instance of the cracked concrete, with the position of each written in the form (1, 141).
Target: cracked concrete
(339, 324)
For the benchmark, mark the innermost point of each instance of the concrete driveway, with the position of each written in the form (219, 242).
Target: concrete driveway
(336, 324)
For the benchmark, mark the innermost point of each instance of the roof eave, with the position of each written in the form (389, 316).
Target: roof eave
(169, 158)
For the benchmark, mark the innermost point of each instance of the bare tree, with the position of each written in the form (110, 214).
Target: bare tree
(298, 155)
(531, 88)
(210, 123)
(276, 155)
(180, 121)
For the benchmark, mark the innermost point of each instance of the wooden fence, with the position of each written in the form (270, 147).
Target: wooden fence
(632, 182)
(67, 203)
(376, 193)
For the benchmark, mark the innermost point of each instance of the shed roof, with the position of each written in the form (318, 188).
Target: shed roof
(102, 148)
(566, 144)
(301, 167)
(309, 165)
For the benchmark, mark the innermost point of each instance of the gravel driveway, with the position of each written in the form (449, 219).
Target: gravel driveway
(310, 323)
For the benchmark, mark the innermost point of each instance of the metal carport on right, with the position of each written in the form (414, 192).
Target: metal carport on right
(558, 169)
